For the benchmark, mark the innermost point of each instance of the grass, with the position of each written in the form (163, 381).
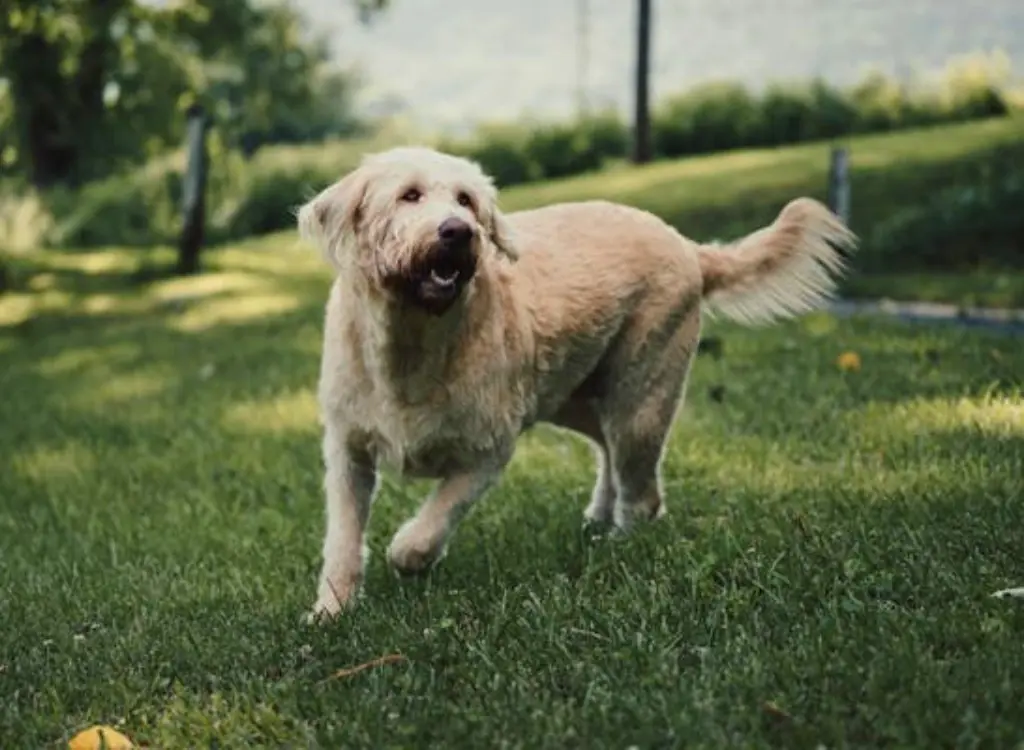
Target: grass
(823, 575)
(729, 193)
(977, 288)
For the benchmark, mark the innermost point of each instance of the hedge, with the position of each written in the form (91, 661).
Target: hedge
(259, 195)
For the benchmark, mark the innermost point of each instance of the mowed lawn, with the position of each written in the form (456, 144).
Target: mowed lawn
(724, 195)
(823, 575)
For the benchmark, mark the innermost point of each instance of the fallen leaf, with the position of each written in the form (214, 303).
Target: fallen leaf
(378, 662)
(98, 737)
(848, 361)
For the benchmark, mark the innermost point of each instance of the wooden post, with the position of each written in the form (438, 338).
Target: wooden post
(839, 184)
(193, 199)
(641, 117)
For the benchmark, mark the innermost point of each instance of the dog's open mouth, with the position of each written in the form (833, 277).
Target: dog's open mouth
(439, 285)
(444, 279)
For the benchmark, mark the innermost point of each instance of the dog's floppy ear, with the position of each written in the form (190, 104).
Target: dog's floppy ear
(328, 217)
(502, 235)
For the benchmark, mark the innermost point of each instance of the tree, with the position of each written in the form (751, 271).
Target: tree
(55, 57)
(642, 118)
(94, 85)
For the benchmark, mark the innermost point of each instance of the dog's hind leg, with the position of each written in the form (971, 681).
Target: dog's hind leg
(422, 540)
(637, 413)
(579, 416)
(636, 444)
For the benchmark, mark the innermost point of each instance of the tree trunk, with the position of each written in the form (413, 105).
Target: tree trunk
(642, 119)
(39, 94)
(57, 115)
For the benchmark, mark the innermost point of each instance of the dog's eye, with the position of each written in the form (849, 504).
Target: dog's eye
(464, 199)
(412, 195)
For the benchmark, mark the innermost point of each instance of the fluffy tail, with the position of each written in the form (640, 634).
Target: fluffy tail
(781, 271)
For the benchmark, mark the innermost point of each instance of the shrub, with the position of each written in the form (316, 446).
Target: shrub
(247, 197)
(24, 218)
(576, 147)
(244, 197)
(514, 154)
(960, 227)
(501, 152)
(712, 117)
(136, 209)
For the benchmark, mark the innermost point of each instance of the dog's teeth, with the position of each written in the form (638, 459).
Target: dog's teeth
(443, 280)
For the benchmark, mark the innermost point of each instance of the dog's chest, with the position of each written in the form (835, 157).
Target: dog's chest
(449, 433)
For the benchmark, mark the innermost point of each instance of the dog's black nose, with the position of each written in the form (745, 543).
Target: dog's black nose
(454, 231)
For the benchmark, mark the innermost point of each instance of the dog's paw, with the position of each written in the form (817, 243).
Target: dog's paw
(319, 615)
(597, 524)
(415, 550)
(628, 515)
(599, 513)
(334, 597)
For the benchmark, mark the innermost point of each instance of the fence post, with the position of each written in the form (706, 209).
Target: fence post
(193, 199)
(839, 183)
(641, 115)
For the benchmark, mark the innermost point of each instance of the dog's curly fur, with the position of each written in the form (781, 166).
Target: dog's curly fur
(451, 328)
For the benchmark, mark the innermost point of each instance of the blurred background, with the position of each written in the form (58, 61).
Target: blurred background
(95, 97)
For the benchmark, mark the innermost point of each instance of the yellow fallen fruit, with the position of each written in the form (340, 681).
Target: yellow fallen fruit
(89, 739)
(848, 361)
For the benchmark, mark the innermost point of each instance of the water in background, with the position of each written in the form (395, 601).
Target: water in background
(450, 62)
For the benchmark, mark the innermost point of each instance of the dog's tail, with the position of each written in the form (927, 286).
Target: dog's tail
(780, 271)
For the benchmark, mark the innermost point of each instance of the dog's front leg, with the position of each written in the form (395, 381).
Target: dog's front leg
(421, 541)
(349, 484)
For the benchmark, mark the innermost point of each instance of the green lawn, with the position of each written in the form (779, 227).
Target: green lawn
(725, 195)
(823, 575)
(721, 194)
(978, 288)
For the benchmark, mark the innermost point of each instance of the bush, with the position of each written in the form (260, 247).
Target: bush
(501, 152)
(256, 196)
(712, 117)
(244, 197)
(959, 228)
(515, 154)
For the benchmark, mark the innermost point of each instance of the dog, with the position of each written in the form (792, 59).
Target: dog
(452, 327)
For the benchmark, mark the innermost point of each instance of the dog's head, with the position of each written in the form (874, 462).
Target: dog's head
(417, 223)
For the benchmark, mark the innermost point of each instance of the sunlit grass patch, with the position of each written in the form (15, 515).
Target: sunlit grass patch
(293, 412)
(53, 463)
(233, 309)
(998, 416)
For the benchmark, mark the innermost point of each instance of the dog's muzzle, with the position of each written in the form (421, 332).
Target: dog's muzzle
(439, 278)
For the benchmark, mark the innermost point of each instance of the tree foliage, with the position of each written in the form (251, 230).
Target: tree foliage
(91, 86)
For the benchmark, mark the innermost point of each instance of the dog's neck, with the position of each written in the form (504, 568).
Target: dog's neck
(414, 349)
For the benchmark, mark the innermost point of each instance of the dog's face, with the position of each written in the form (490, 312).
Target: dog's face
(416, 222)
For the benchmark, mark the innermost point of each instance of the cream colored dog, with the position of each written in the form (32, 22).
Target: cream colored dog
(452, 328)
